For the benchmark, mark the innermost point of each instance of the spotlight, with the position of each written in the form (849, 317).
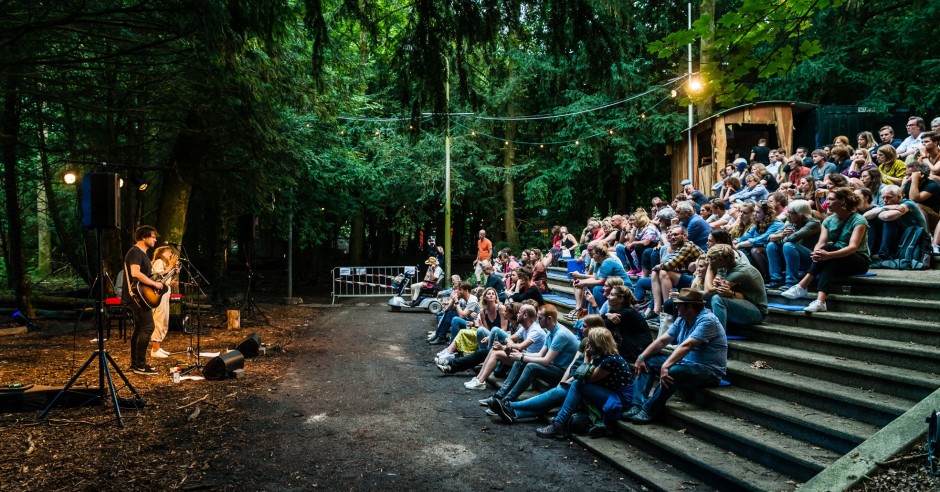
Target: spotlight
(70, 177)
(139, 182)
(24, 321)
(695, 85)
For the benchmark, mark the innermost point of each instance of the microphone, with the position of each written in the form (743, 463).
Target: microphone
(171, 244)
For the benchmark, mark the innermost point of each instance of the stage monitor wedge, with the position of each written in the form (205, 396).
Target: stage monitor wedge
(224, 365)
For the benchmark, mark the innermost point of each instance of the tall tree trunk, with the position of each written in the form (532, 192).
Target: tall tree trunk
(8, 140)
(174, 204)
(706, 107)
(509, 187)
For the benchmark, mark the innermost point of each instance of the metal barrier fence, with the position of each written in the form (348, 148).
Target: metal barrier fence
(369, 281)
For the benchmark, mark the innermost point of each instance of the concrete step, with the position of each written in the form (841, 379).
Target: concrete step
(873, 408)
(894, 283)
(811, 425)
(904, 383)
(862, 348)
(760, 444)
(862, 324)
(718, 467)
(648, 470)
(890, 307)
(562, 303)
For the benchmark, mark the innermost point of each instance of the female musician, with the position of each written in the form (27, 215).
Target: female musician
(164, 260)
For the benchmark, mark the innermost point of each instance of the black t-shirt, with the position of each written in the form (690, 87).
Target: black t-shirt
(530, 293)
(928, 186)
(135, 257)
(632, 333)
(761, 154)
(772, 184)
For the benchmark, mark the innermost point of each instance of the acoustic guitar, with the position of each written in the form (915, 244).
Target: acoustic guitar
(148, 297)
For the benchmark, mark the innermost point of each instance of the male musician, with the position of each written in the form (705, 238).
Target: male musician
(137, 268)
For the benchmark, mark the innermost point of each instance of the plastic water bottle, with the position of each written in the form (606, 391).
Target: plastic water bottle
(176, 376)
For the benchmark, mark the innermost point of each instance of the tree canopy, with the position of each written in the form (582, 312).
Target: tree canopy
(330, 115)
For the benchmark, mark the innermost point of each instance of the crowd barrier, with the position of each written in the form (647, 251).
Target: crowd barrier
(369, 281)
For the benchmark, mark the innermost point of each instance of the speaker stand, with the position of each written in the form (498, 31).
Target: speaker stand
(101, 354)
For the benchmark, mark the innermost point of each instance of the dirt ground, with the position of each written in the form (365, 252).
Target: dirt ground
(352, 402)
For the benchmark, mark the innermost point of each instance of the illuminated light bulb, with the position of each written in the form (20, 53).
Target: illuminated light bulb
(342, 132)
(473, 132)
(541, 146)
(673, 93)
(308, 125)
(695, 86)
(642, 116)
(377, 133)
(610, 132)
(507, 142)
(411, 127)
(577, 142)
(70, 177)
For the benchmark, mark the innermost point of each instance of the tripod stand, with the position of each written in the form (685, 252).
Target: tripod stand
(101, 354)
(248, 304)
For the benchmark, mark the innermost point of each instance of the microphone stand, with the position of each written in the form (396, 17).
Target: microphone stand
(187, 266)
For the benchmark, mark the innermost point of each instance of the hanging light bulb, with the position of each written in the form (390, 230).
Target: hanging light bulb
(577, 142)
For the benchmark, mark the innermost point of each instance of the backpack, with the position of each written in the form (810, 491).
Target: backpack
(913, 251)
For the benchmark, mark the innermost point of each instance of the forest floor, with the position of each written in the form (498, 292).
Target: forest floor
(352, 401)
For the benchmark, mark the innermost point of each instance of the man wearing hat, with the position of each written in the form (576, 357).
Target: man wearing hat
(435, 272)
(698, 361)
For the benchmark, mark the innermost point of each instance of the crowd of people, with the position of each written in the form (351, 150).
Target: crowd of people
(702, 265)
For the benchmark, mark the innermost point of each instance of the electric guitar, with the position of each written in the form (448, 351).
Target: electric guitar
(148, 297)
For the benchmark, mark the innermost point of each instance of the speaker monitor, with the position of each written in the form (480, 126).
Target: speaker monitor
(222, 366)
(249, 347)
(248, 227)
(101, 201)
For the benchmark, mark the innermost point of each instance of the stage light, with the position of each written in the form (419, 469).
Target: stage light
(70, 177)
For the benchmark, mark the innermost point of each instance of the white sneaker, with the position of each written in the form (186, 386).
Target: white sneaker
(158, 354)
(474, 384)
(815, 307)
(164, 352)
(795, 292)
(935, 249)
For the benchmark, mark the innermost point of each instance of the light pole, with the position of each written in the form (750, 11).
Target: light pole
(691, 116)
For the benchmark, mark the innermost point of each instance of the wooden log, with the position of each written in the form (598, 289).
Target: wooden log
(233, 319)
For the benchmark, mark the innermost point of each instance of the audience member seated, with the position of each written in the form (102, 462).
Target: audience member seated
(767, 179)
(919, 188)
(673, 270)
(492, 317)
(871, 179)
(508, 323)
(525, 288)
(892, 168)
(459, 310)
(930, 154)
(547, 365)
(866, 143)
(821, 166)
(608, 387)
(607, 265)
(797, 170)
(744, 221)
(646, 237)
(433, 275)
(754, 242)
(911, 144)
(696, 226)
(842, 249)
(510, 411)
(886, 134)
(529, 339)
(752, 192)
(539, 266)
(731, 187)
(860, 161)
(777, 201)
(734, 290)
(630, 330)
(897, 215)
(789, 249)
(699, 360)
(494, 280)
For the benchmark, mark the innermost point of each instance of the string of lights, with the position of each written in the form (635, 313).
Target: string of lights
(576, 141)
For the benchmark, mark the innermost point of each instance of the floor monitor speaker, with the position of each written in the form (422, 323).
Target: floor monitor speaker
(222, 366)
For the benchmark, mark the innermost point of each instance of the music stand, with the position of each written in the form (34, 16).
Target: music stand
(101, 354)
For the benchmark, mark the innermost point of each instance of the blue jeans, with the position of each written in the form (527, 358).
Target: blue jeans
(735, 311)
(876, 231)
(626, 259)
(609, 403)
(890, 239)
(456, 324)
(787, 261)
(541, 404)
(683, 375)
(650, 259)
(445, 323)
(521, 375)
(496, 335)
(642, 286)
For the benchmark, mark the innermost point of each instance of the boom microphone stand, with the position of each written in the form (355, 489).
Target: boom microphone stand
(192, 281)
(249, 303)
(101, 354)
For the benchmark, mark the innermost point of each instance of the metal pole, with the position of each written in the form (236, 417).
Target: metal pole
(290, 257)
(689, 82)
(447, 238)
